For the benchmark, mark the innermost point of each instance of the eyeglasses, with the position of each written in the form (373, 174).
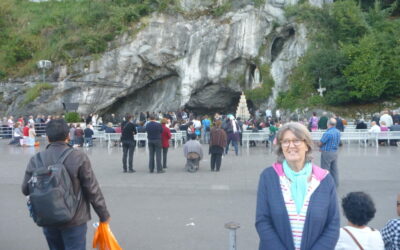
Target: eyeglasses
(296, 142)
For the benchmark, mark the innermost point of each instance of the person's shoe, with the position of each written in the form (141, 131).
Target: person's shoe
(132, 170)
(151, 171)
(217, 170)
(125, 171)
(165, 167)
(212, 170)
(160, 171)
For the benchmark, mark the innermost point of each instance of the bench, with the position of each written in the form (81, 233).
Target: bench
(177, 138)
(362, 135)
(254, 136)
(112, 137)
(101, 135)
(142, 137)
(386, 135)
(183, 134)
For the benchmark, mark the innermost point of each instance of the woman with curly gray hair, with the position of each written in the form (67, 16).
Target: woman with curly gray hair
(296, 200)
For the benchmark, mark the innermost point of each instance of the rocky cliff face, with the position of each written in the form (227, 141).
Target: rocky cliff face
(178, 61)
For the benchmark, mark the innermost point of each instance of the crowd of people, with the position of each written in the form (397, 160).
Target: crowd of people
(296, 199)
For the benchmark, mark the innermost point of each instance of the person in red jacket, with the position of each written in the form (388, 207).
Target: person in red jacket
(25, 131)
(165, 137)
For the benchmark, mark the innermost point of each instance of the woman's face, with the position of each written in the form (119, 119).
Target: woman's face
(293, 148)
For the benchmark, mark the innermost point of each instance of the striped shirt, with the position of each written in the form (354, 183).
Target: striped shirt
(297, 221)
(330, 140)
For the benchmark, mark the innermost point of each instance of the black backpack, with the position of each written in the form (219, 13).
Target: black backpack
(51, 194)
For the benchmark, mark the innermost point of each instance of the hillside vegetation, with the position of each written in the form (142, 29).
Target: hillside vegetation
(65, 30)
(354, 51)
(354, 54)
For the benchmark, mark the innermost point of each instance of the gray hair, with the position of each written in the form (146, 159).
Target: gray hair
(332, 122)
(301, 132)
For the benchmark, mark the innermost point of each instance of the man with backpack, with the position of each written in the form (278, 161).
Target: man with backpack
(61, 186)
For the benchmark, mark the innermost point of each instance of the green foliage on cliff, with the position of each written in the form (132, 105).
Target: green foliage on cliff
(261, 94)
(354, 54)
(72, 117)
(63, 31)
(259, 3)
(221, 9)
(34, 92)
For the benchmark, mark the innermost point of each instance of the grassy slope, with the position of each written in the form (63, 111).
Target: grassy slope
(63, 31)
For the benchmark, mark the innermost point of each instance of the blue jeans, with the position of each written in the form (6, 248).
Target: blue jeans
(72, 238)
(206, 136)
(88, 141)
(235, 145)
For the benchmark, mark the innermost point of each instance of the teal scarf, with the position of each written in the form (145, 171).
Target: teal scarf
(299, 184)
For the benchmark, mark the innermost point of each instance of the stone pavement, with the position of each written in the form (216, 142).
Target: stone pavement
(179, 210)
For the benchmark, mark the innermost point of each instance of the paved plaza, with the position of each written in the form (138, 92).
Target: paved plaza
(183, 211)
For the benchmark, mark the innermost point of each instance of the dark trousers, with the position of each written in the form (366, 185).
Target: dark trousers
(15, 140)
(329, 162)
(128, 147)
(216, 160)
(155, 149)
(72, 238)
(79, 140)
(164, 157)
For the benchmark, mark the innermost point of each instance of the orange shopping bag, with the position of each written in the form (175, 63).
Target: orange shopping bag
(104, 239)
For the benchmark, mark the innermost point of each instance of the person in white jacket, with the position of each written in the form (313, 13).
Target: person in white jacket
(386, 118)
(374, 128)
(374, 131)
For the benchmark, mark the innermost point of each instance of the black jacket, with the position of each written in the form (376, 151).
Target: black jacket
(128, 132)
(88, 133)
(82, 177)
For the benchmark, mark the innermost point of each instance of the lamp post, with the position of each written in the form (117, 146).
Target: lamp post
(44, 64)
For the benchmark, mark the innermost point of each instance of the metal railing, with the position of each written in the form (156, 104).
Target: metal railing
(254, 136)
(7, 132)
(363, 136)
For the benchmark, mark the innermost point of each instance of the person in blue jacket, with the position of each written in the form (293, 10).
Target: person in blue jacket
(296, 200)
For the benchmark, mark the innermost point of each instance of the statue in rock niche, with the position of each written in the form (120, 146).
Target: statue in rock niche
(256, 78)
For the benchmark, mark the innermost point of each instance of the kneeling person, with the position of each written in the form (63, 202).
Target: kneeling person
(193, 153)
